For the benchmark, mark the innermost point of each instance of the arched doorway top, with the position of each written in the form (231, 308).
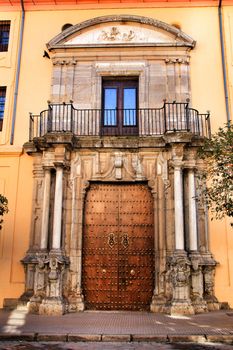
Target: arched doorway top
(121, 30)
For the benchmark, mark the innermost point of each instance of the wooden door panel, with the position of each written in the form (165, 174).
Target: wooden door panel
(118, 243)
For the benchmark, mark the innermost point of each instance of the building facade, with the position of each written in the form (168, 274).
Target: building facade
(102, 181)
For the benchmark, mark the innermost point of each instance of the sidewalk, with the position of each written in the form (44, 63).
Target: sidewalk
(117, 326)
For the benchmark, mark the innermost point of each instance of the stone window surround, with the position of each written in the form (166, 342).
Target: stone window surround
(116, 69)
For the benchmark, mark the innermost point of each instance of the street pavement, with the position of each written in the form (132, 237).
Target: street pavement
(106, 330)
(111, 346)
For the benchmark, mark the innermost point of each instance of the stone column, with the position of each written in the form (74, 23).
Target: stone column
(193, 246)
(178, 203)
(45, 209)
(57, 216)
(179, 264)
(54, 303)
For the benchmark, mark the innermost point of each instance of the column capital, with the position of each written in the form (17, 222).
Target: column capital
(59, 164)
(177, 163)
(47, 167)
(191, 166)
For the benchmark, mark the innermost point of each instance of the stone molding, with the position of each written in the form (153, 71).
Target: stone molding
(183, 39)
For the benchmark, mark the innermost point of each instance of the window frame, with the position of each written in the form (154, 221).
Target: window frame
(119, 127)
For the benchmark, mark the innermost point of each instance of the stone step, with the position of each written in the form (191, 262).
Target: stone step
(10, 304)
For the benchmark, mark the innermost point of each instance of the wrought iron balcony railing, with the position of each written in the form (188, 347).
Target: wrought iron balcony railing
(140, 122)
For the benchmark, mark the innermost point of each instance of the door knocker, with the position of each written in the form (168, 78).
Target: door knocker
(111, 240)
(125, 240)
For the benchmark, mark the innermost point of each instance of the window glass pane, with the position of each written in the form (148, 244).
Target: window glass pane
(2, 104)
(4, 35)
(130, 105)
(110, 105)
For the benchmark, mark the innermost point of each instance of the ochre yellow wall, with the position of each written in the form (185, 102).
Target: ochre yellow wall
(8, 61)
(34, 91)
(227, 15)
(221, 245)
(16, 185)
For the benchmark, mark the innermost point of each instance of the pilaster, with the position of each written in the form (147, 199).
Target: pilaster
(197, 284)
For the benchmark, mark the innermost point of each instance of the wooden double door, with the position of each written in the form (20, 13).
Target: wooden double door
(118, 247)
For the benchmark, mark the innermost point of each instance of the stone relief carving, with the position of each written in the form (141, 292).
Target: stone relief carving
(181, 273)
(118, 164)
(116, 167)
(115, 34)
(121, 34)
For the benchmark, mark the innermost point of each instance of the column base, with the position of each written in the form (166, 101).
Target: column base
(179, 308)
(76, 302)
(200, 306)
(34, 304)
(53, 306)
(212, 304)
(159, 304)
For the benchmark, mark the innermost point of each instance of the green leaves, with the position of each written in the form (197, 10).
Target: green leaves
(3, 208)
(218, 153)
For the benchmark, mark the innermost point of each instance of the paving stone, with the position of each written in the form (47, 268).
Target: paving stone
(116, 337)
(84, 337)
(51, 337)
(186, 338)
(14, 336)
(149, 338)
(118, 324)
(228, 339)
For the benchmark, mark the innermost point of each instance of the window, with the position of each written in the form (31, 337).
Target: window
(120, 106)
(2, 104)
(4, 35)
(66, 26)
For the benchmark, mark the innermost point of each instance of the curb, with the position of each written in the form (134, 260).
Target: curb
(73, 337)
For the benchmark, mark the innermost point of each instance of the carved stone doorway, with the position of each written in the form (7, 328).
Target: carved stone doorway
(118, 247)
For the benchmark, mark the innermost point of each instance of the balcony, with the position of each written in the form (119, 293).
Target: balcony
(142, 122)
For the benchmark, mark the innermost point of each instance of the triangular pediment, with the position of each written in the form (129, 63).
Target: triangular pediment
(121, 31)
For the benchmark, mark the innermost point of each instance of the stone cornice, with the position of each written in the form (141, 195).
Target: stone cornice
(182, 38)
